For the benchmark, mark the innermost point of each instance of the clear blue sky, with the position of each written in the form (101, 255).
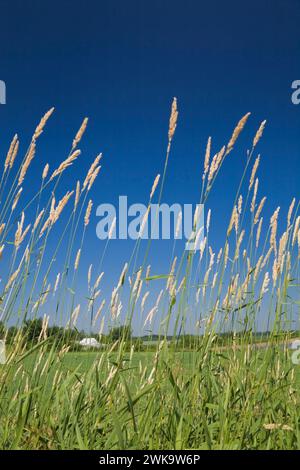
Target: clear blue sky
(120, 63)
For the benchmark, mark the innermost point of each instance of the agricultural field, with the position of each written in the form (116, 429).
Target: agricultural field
(82, 362)
(70, 397)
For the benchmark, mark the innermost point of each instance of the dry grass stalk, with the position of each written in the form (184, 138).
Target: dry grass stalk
(43, 333)
(240, 126)
(91, 171)
(45, 171)
(112, 228)
(38, 219)
(258, 268)
(290, 211)
(258, 233)
(143, 301)
(98, 313)
(11, 154)
(207, 157)
(153, 311)
(267, 257)
(234, 221)
(295, 232)
(56, 283)
(137, 282)
(215, 164)
(144, 222)
(77, 259)
(274, 426)
(56, 212)
(77, 195)
(253, 202)
(122, 276)
(16, 199)
(273, 224)
(98, 280)
(65, 164)
(74, 315)
(178, 229)
(181, 285)
(150, 316)
(226, 254)
(2, 227)
(89, 275)
(173, 120)
(38, 131)
(254, 170)
(154, 186)
(20, 234)
(259, 133)
(202, 247)
(265, 284)
(238, 245)
(240, 204)
(171, 274)
(208, 218)
(259, 210)
(28, 160)
(80, 133)
(93, 177)
(88, 213)
(14, 154)
(12, 278)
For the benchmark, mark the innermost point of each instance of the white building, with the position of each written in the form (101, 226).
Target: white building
(90, 343)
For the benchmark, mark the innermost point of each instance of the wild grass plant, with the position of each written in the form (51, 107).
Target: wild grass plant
(204, 396)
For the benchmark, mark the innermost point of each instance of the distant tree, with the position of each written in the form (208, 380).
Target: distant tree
(2, 330)
(119, 332)
(138, 344)
(32, 329)
(56, 333)
(11, 334)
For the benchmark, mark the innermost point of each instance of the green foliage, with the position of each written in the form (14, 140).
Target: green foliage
(32, 329)
(120, 332)
(2, 330)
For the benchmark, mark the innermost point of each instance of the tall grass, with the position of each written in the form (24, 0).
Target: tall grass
(188, 393)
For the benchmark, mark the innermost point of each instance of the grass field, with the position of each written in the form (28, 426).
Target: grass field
(82, 362)
(256, 398)
(216, 395)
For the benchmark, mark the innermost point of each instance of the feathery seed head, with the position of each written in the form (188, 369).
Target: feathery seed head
(80, 133)
(154, 186)
(65, 164)
(12, 150)
(259, 133)
(173, 120)
(43, 122)
(45, 171)
(29, 157)
(88, 213)
(240, 126)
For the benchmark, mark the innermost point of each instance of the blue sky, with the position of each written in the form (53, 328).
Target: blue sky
(120, 63)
